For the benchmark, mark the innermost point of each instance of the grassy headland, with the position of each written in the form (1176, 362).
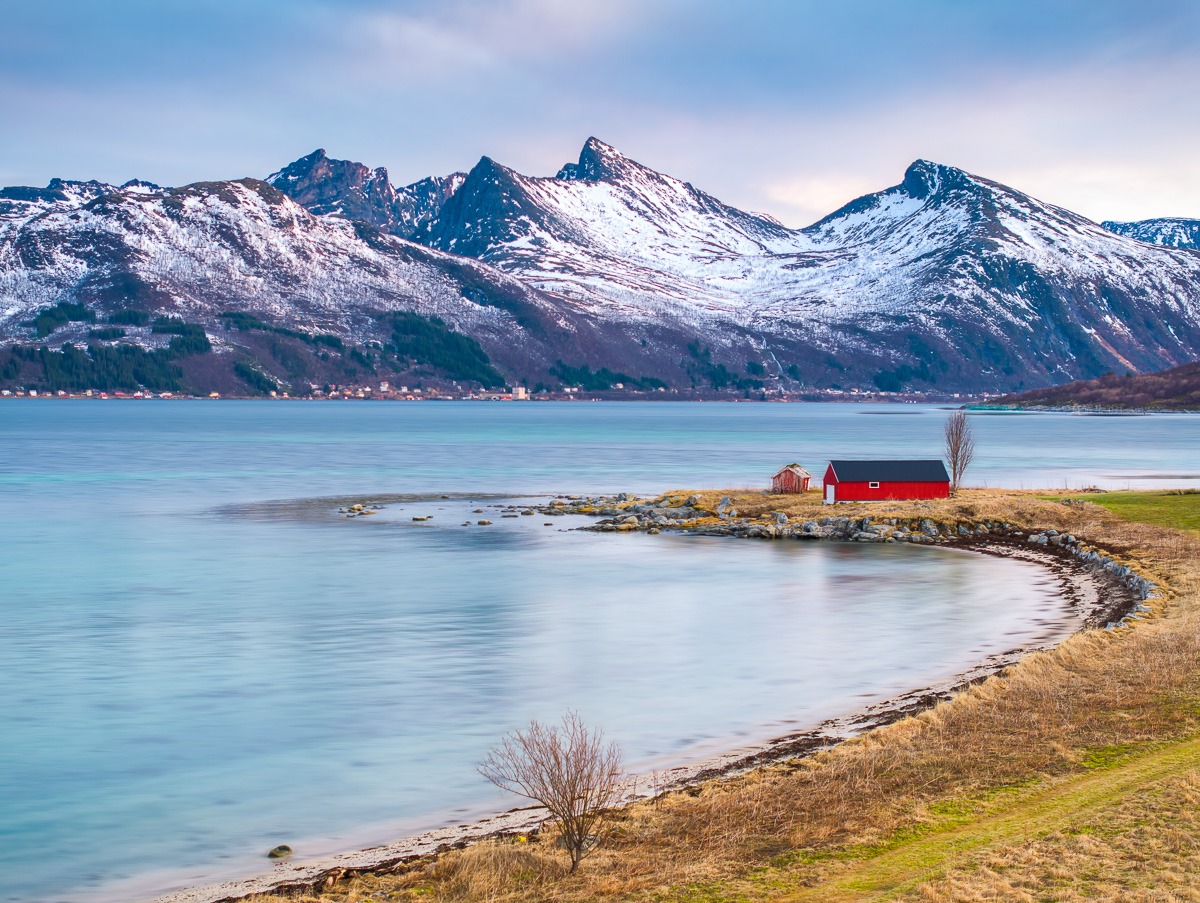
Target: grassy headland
(1174, 508)
(1073, 775)
(1177, 388)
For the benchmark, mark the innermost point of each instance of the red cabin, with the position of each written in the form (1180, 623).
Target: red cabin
(878, 481)
(791, 479)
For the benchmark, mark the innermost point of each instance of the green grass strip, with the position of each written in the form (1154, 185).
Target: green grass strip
(1162, 508)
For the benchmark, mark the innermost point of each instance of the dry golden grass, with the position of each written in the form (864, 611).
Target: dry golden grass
(947, 805)
(1145, 848)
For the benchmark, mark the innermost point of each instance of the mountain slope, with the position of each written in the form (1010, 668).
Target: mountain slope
(1168, 232)
(209, 249)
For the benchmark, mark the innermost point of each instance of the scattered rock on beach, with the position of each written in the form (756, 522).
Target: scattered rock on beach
(280, 852)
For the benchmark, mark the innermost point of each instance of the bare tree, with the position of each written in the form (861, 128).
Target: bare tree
(960, 447)
(568, 769)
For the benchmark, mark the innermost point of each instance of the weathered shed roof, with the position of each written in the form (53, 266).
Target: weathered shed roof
(890, 471)
(796, 469)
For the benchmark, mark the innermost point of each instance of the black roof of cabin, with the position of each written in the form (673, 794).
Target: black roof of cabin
(890, 471)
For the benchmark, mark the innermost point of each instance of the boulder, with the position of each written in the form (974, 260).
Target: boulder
(280, 852)
(865, 536)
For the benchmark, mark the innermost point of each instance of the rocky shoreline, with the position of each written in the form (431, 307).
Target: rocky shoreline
(625, 513)
(1098, 590)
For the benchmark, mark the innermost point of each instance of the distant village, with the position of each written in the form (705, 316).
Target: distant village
(385, 390)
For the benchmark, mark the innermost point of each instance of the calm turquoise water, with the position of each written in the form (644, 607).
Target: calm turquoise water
(200, 659)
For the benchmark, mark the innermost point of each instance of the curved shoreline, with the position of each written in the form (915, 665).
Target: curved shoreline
(1090, 584)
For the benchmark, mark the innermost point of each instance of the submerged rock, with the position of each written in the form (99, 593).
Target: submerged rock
(280, 852)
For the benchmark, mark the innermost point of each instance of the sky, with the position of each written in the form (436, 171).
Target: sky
(788, 107)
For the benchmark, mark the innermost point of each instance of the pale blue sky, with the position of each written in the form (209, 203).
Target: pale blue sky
(787, 106)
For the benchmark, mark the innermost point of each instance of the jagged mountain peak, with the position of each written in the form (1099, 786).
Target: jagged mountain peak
(924, 178)
(490, 169)
(329, 187)
(606, 206)
(951, 197)
(316, 176)
(600, 162)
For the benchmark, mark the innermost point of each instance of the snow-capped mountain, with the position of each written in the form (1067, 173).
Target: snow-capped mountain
(946, 274)
(352, 191)
(1169, 232)
(216, 248)
(946, 281)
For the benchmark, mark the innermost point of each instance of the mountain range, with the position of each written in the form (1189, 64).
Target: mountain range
(607, 272)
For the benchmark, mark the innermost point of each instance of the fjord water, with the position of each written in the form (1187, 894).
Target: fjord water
(201, 659)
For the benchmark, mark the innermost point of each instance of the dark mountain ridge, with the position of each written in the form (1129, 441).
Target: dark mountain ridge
(343, 188)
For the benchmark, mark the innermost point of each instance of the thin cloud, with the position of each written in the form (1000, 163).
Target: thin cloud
(782, 106)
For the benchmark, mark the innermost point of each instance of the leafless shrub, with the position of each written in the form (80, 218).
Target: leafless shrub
(960, 447)
(566, 768)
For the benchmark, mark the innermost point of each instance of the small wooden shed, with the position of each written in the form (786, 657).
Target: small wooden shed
(876, 481)
(791, 479)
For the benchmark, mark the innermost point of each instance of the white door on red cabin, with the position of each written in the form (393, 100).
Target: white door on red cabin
(830, 491)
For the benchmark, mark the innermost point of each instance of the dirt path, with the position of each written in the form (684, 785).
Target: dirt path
(1059, 805)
